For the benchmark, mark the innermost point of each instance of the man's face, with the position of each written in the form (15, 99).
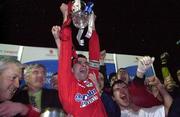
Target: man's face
(9, 81)
(36, 78)
(121, 94)
(81, 69)
(178, 75)
(112, 80)
(123, 75)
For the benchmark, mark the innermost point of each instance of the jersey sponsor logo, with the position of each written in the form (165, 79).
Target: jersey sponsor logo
(86, 99)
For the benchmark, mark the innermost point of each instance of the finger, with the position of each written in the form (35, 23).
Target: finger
(147, 60)
(103, 52)
(53, 29)
(155, 82)
(153, 58)
(58, 27)
(142, 62)
(90, 75)
(152, 78)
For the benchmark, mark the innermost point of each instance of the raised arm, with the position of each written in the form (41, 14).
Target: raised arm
(55, 32)
(154, 81)
(64, 66)
(144, 64)
(94, 51)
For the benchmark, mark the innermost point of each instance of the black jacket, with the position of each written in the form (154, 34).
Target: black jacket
(49, 98)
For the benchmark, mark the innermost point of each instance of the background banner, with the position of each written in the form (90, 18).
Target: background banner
(9, 50)
(45, 56)
(49, 58)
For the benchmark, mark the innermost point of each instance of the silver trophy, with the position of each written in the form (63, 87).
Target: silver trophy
(80, 19)
(81, 13)
(53, 112)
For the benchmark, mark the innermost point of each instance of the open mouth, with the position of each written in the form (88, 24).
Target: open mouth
(123, 97)
(12, 91)
(83, 70)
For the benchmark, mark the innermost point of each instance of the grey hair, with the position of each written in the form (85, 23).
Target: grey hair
(4, 61)
(29, 67)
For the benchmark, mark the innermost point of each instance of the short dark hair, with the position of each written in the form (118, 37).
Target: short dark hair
(117, 82)
(111, 75)
(74, 59)
(82, 56)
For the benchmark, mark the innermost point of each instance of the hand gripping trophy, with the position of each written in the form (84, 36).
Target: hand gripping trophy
(82, 16)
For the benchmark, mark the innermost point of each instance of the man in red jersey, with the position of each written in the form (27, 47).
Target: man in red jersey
(77, 92)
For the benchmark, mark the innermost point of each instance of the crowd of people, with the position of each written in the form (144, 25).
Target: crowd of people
(81, 87)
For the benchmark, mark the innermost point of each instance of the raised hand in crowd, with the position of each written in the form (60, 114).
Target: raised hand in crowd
(64, 11)
(150, 83)
(169, 82)
(144, 64)
(55, 32)
(167, 99)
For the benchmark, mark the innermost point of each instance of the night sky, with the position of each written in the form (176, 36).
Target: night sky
(135, 27)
